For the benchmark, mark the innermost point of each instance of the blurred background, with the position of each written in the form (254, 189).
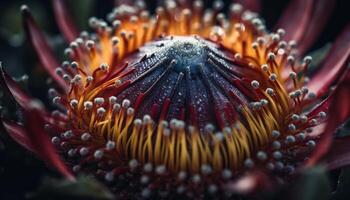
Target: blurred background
(20, 173)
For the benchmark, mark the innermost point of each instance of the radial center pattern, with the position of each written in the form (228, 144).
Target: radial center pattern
(188, 52)
(184, 78)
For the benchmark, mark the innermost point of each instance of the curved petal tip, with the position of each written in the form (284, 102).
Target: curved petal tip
(64, 20)
(18, 133)
(9, 84)
(34, 124)
(41, 46)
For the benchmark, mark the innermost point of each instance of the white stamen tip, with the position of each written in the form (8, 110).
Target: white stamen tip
(126, 103)
(110, 145)
(261, 155)
(275, 133)
(74, 103)
(249, 163)
(273, 77)
(99, 101)
(104, 66)
(85, 137)
(271, 56)
(307, 59)
(88, 105)
(255, 84)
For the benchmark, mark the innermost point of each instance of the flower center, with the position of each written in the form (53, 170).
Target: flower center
(210, 106)
(184, 78)
(189, 52)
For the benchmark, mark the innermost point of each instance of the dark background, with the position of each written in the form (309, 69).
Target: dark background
(20, 172)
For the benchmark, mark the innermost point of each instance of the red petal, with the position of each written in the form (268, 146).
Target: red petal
(339, 112)
(43, 50)
(253, 5)
(320, 15)
(339, 154)
(295, 19)
(20, 96)
(323, 106)
(64, 20)
(34, 124)
(18, 133)
(334, 65)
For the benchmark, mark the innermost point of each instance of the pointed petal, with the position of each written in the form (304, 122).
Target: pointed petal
(34, 124)
(44, 52)
(339, 112)
(64, 20)
(20, 96)
(295, 19)
(253, 5)
(18, 133)
(334, 66)
(321, 12)
(339, 154)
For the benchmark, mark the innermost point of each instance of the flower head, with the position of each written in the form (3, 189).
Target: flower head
(189, 100)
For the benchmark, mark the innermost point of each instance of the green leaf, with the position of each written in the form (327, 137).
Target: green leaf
(84, 188)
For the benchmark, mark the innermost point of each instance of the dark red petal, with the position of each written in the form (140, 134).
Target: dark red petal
(323, 106)
(19, 134)
(42, 48)
(253, 5)
(339, 112)
(34, 124)
(295, 19)
(64, 20)
(333, 66)
(321, 12)
(339, 154)
(20, 96)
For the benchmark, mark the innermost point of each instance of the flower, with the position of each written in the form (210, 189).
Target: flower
(187, 101)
